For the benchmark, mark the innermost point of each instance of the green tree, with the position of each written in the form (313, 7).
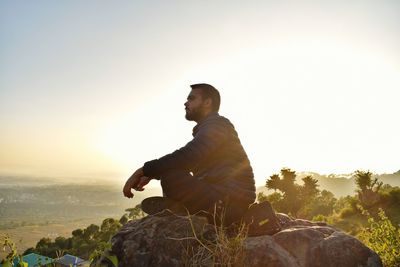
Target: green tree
(293, 198)
(108, 228)
(277, 202)
(323, 204)
(289, 190)
(273, 182)
(46, 247)
(364, 181)
(77, 233)
(90, 232)
(124, 219)
(135, 213)
(61, 242)
(367, 188)
(309, 191)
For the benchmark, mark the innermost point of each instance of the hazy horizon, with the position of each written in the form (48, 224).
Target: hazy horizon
(96, 88)
(27, 180)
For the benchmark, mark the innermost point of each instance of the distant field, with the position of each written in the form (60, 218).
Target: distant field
(29, 211)
(27, 236)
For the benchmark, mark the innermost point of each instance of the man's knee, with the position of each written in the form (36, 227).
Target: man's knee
(175, 183)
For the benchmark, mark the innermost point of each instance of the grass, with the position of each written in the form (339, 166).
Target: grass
(225, 249)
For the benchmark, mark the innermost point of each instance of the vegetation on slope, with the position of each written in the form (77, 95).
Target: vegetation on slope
(372, 215)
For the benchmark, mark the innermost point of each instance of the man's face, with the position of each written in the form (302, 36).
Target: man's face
(194, 106)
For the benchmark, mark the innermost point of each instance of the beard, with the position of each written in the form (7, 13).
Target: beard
(193, 115)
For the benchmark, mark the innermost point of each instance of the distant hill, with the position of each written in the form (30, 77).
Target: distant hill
(341, 184)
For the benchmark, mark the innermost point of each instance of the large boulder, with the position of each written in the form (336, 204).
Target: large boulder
(170, 240)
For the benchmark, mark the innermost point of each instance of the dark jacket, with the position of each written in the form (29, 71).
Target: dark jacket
(216, 155)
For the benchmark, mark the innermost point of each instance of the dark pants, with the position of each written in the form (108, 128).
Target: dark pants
(199, 196)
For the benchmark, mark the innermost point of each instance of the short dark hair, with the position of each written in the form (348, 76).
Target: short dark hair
(209, 91)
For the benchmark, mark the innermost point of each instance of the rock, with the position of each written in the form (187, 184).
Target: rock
(158, 240)
(169, 240)
(263, 251)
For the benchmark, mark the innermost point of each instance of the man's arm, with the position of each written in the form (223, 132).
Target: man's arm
(206, 141)
(137, 181)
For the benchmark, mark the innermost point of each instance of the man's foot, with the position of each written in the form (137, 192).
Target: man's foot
(261, 219)
(153, 205)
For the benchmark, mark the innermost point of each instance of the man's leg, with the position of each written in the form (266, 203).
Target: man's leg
(198, 195)
(195, 194)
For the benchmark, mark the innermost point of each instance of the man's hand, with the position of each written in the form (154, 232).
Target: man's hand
(137, 181)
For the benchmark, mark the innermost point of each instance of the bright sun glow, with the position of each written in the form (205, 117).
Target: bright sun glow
(309, 89)
(311, 86)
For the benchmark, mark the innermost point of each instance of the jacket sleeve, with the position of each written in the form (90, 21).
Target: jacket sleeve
(209, 137)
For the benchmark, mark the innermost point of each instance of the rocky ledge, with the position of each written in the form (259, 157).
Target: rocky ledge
(170, 240)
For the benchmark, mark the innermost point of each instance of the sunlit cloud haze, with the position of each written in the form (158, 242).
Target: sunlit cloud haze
(96, 88)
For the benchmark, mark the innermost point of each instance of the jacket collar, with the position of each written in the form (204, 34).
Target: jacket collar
(209, 117)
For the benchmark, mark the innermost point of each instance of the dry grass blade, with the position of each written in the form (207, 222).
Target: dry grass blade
(226, 249)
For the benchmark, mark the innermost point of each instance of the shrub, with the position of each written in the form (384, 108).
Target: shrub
(384, 238)
(320, 218)
(347, 212)
(9, 247)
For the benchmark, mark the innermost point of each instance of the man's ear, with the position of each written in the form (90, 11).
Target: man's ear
(208, 102)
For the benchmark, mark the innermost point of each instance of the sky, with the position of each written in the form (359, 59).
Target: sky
(93, 89)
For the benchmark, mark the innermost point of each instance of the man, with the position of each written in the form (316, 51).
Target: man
(211, 173)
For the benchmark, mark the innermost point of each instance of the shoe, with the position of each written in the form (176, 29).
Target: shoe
(154, 205)
(262, 220)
